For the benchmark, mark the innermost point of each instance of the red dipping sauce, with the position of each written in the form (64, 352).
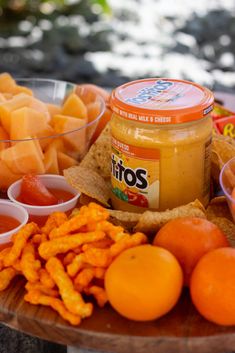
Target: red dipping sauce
(60, 194)
(7, 223)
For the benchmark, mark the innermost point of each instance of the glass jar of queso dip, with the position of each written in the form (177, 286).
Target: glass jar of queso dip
(161, 137)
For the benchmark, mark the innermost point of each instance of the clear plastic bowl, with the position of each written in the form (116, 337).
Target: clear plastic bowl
(52, 92)
(8, 208)
(227, 183)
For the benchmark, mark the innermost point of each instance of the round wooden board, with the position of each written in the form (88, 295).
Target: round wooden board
(182, 330)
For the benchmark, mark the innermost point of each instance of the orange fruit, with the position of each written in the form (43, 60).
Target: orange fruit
(212, 286)
(144, 282)
(189, 238)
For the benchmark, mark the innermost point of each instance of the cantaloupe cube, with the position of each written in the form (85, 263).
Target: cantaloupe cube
(26, 121)
(53, 109)
(74, 140)
(40, 107)
(8, 96)
(4, 136)
(21, 89)
(17, 102)
(58, 144)
(2, 98)
(6, 176)
(93, 112)
(7, 83)
(65, 161)
(74, 107)
(24, 157)
(51, 161)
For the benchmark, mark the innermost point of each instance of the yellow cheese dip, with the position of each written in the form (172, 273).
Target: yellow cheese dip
(161, 137)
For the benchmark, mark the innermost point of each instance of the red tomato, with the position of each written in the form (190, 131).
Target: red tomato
(34, 192)
(136, 199)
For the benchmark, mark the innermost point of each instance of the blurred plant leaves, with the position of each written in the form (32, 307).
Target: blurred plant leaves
(17, 4)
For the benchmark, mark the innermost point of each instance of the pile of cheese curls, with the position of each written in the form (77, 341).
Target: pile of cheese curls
(66, 260)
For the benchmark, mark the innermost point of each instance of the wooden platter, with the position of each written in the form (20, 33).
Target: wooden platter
(183, 330)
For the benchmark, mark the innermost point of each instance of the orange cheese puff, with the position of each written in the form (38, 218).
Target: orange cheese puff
(129, 241)
(99, 295)
(29, 264)
(76, 265)
(20, 241)
(98, 257)
(46, 279)
(39, 238)
(36, 297)
(102, 244)
(78, 221)
(71, 298)
(4, 252)
(54, 221)
(114, 232)
(69, 258)
(17, 265)
(39, 286)
(53, 247)
(99, 272)
(6, 277)
(1, 265)
(84, 278)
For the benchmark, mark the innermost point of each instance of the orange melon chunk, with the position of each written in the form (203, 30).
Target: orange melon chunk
(53, 109)
(21, 89)
(4, 136)
(50, 160)
(2, 98)
(17, 102)
(24, 157)
(7, 83)
(75, 141)
(58, 144)
(65, 161)
(26, 121)
(7, 177)
(74, 107)
(38, 105)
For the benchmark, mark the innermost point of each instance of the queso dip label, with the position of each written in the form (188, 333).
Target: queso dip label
(135, 174)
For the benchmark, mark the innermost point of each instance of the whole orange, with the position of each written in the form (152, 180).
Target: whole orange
(212, 286)
(144, 282)
(189, 238)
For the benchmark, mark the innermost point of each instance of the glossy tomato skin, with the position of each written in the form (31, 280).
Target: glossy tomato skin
(34, 192)
(136, 199)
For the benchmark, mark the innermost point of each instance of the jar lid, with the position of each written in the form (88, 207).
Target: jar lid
(162, 101)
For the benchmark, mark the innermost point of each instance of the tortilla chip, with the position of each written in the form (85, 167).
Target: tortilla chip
(218, 207)
(89, 183)
(98, 156)
(126, 219)
(227, 227)
(150, 222)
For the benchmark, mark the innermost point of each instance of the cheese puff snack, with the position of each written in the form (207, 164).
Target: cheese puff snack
(6, 276)
(36, 297)
(72, 299)
(29, 264)
(66, 260)
(19, 243)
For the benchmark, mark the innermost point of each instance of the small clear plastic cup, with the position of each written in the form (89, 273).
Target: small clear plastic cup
(8, 208)
(40, 213)
(227, 183)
